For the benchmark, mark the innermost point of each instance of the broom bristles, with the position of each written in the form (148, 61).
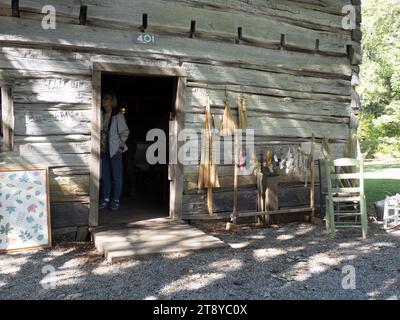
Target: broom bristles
(208, 175)
(228, 125)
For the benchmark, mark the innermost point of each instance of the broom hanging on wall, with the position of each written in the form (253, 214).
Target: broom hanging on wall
(238, 153)
(228, 125)
(208, 176)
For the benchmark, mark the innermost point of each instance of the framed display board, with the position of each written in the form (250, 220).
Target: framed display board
(24, 208)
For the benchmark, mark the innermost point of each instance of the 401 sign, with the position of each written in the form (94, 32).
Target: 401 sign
(145, 38)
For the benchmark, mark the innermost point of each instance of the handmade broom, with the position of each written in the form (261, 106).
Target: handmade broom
(208, 176)
(243, 124)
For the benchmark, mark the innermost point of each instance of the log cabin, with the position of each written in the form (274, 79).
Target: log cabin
(294, 62)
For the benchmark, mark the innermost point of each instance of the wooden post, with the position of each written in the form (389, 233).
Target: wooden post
(7, 114)
(282, 41)
(15, 8)
(95, 149)
(239, 35)
(83, 15)
(271, 197)
(210, 201)
(145, 21)
(235, 194)
(235, 181)
(312, 182)
(192, 28)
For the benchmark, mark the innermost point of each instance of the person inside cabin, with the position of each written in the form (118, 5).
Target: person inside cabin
(114, 134)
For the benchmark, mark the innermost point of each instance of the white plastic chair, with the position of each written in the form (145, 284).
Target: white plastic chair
(391, 211)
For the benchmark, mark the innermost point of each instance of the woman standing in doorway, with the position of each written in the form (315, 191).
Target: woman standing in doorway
(114, 133)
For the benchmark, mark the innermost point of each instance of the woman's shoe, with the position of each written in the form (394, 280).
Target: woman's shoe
(104, 204)
(114, 205)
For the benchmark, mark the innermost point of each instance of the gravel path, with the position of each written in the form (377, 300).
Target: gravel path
(296, 261)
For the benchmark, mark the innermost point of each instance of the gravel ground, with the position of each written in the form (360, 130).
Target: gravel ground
(296, 261)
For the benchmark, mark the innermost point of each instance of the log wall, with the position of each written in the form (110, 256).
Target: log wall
(294, 63)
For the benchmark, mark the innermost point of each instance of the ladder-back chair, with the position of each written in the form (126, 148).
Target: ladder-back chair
(345, 202)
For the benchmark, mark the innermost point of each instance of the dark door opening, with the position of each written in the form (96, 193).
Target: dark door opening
(147, 103)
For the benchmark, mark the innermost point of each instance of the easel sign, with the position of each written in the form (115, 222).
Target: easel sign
(24, 209)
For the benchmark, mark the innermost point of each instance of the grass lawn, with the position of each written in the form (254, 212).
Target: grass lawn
(376, 188)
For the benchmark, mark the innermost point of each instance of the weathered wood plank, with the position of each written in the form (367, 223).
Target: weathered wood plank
(222, 202)
(69, 171)
(63, 86)
(69, 188)
(278, 93)
(53, 90)
(48, 106)
(289, 128)
(52, 139)
(295, 195)
(317, 13)
(267, 104)
(71, 214)
(30, 63)
(78, 37)
(7, 118)
(197, 116)
(52, 122)
(231, 75)
(53, 148)
(64, 160)
(174, 18)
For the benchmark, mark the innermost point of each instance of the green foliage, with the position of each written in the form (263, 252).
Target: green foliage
(380, 78)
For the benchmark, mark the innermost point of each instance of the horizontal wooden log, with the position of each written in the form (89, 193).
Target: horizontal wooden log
(296, 195)
(289, 196)
(226, 181)
(52, 139)
(46, 106)
(225, 176)
(29, 63)
(232, 75)
(323, 16)
(300, 10)
(69, 171)
(65, 160)
(62, 86)
(52, 148)
(289, 128)
(222, 202)
(198, 116)
(69, 214)
(52, 122)
(257, 103)
(74, 37)
(53, 90)
(69, 188)
(46, 63)
(246, 214)
(173, 17)
(279, 93)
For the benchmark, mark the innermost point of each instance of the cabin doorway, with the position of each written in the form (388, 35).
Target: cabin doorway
(147, 104)
(149, 99)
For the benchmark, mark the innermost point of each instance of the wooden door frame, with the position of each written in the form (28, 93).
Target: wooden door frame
(175, 170)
